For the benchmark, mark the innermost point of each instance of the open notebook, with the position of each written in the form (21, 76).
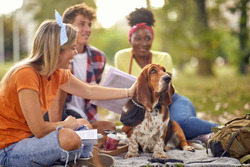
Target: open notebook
(117, 79)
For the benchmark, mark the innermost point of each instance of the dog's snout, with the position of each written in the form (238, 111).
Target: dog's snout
(167, 79)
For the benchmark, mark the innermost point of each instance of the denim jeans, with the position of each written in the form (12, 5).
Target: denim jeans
(183, 112)
(43, 151)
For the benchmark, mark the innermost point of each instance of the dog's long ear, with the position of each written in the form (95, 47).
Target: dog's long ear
(165, 99)
(144, 93)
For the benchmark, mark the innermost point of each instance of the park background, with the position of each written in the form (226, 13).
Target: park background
(207, 39)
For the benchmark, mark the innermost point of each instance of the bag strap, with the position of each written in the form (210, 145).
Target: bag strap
(245, 158)
(231, 141)
(247, 116)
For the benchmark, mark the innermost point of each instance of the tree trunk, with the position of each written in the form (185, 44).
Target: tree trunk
(243, 37)
(205, 62)
(205, 66)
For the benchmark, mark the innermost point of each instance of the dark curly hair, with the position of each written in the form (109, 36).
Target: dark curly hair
(141, 15)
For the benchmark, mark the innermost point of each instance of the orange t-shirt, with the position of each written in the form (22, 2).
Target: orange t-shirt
(13, 126)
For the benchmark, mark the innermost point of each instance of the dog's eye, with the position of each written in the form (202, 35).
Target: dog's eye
(152, 71)
(163, 69)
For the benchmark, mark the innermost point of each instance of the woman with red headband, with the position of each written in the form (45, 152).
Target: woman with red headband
(132, 61)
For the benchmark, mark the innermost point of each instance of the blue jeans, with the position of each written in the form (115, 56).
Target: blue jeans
(183, 112)
(43, 151)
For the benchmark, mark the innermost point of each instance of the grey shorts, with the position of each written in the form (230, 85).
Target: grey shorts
(34, 151)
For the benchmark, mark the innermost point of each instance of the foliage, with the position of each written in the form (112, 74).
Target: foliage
(242, 32)
(227, 46)
(178, 27)
(45, 9)
(8, 46)
(174, 26)
(178, 165)
(109, 41)
(8, 37)
(177, 30)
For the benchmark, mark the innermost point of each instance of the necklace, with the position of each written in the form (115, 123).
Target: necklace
(131, 61)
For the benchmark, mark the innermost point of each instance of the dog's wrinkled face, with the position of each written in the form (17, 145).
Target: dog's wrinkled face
(158, 79)
(154, 83)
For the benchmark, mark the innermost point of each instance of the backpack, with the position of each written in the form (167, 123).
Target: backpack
(232, 140)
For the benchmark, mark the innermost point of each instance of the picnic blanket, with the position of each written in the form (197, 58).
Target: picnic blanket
(199, 158)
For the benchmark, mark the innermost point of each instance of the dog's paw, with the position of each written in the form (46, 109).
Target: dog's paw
(162, 155)
(130, 155)
(189, 148)
(197, 146)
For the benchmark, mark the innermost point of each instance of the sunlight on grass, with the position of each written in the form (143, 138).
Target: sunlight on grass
(226, 92)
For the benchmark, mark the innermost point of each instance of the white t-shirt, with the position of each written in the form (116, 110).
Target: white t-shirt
(80, 71)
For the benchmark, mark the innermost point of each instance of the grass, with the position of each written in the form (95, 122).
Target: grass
(216, 98)
(226, 93)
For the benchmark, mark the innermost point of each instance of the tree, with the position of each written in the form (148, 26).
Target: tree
(175, 30)
(243, 34)
(45, 9)
(197, 29)
(187, 33)
(204, 33)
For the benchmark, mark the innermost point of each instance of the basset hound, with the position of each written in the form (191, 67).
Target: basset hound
(146, 117)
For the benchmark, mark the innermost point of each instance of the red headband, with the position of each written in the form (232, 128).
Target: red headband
(138, 26)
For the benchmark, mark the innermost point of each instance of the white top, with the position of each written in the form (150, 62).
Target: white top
(79, 65)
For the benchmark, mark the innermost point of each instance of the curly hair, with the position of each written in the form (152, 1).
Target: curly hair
(141, 15)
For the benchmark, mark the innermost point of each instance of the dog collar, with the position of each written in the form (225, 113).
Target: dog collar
(138, 105)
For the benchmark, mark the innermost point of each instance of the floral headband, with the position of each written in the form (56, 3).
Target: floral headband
(63, 33)
(138, 26)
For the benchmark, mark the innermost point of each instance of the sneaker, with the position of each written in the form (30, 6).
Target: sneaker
(203, 138)
(197, 144)
(100, 160)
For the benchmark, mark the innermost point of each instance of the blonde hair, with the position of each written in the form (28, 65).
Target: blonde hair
(46, 50)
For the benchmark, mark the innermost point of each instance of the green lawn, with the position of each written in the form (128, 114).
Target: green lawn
(225, 95)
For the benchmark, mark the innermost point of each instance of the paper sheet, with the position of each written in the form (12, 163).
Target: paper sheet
(88, 137)
(117, 79)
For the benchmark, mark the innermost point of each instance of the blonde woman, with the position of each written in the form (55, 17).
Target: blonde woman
(26, 93)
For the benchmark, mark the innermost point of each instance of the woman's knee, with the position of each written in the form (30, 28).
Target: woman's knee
(68, 139)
